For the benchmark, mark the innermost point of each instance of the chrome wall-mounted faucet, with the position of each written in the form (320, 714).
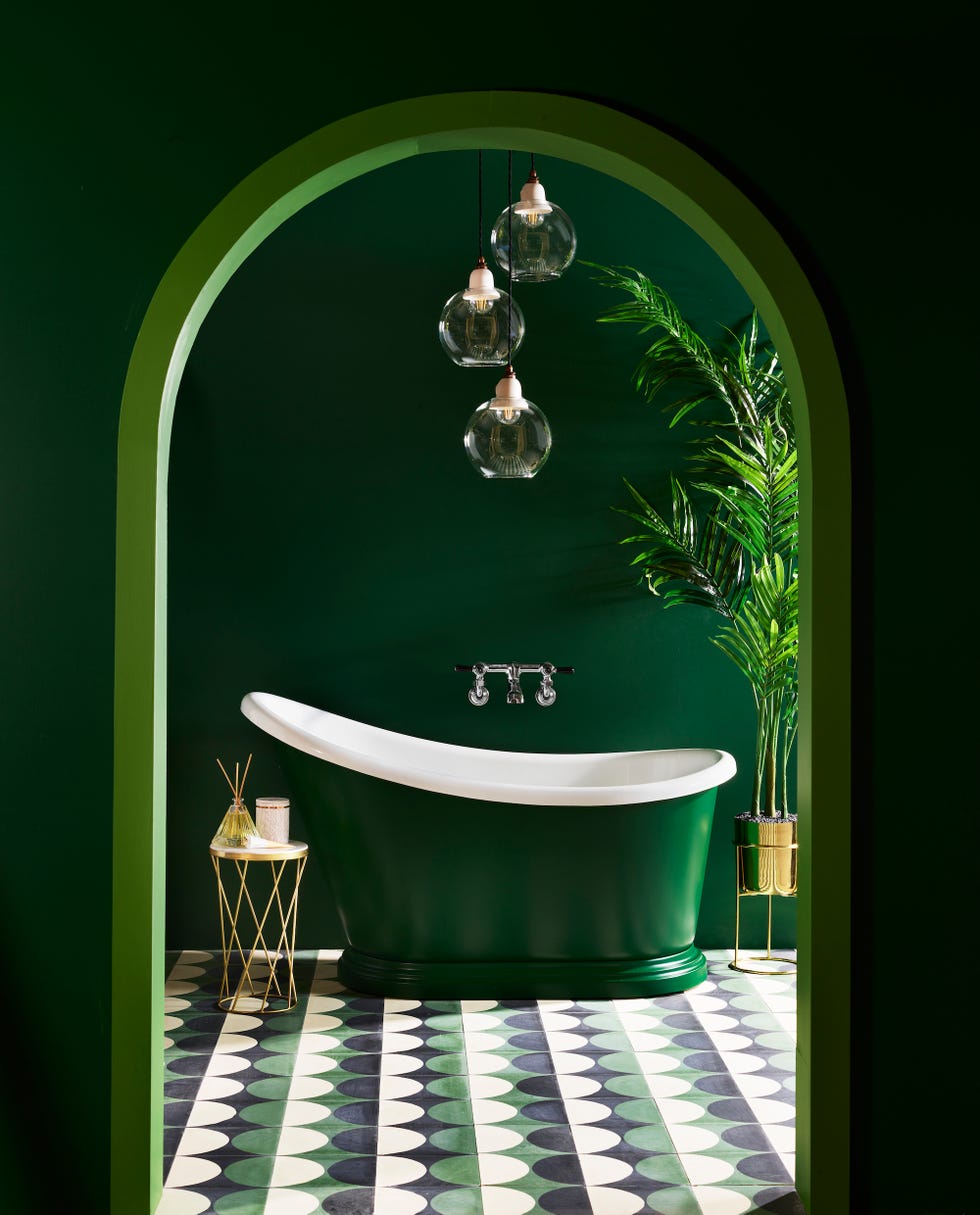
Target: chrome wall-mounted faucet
(545, 695)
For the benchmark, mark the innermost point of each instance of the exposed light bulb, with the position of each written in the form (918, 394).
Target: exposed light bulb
(473, 328)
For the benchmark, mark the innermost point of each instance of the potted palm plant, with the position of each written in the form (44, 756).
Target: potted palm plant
(730, 541)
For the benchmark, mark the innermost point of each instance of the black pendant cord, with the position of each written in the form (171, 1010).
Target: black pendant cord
(532, 164)
(479, 202)
(510, 260)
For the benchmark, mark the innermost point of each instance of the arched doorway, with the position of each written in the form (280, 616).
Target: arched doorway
(673, 175)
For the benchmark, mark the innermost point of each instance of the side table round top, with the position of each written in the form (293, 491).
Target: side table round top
(266, 851)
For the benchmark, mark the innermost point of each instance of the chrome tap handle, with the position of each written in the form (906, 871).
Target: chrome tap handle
(546, 694)
(479, 694)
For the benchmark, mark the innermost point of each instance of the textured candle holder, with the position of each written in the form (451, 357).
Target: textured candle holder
(272, 818)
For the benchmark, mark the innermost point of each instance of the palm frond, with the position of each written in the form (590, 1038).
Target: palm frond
(746, 378)
(679, 353)
(684, 561)
(763, 637)
(735, 550)
(758, 484)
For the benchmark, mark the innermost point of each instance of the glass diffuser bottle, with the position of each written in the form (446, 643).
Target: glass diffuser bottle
(237, 828)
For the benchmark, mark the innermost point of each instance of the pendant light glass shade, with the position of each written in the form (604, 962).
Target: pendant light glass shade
(480, 326)
(542, 235)
(508, 436)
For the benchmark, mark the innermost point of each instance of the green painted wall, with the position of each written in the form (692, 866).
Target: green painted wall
(330, 541)
(120, 135)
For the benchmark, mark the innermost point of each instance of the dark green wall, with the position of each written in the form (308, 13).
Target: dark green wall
(330, 541)
(120, 134)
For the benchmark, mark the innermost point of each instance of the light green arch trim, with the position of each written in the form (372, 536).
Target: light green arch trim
(657, 164)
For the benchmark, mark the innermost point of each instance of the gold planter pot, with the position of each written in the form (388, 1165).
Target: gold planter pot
(766, 851)
(765, 863)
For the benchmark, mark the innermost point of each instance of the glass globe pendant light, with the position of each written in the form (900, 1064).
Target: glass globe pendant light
(480, 326)
(508, 436)
(542, 240)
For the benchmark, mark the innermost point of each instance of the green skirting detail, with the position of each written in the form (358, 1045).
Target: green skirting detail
(582, 979)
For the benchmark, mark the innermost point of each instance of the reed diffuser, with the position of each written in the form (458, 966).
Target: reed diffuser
(237, 829)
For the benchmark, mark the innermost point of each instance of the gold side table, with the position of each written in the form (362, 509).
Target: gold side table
(258, 894)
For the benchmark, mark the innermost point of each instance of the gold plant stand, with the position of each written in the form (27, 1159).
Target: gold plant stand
(258, 931)
(765, 865)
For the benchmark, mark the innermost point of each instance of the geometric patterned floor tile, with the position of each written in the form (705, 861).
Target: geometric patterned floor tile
(361, 1105)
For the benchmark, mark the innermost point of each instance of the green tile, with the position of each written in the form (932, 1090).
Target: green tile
(776, 1040)
(614, 1041)
(276, 1065)
(525, 1127)
(449, 1065)
(454, 1113)
(261, 1142)
(784, 1062)
(640, 1110)
(749, 1003)
(762, 1019)
(270, 1113)
(447, 1043)
(241, 1202)
(455, 1139)
(251, 1171)
(650, 1139)
(458, 1170)
(289, 1022)
(681, 1199)
(447, 1022)
(454, 1087)
(607, 1021)
(289, 1043)
(664, 1168)
(626, 1086)
(467, 1201)
(627, 1063)
(275, 1088)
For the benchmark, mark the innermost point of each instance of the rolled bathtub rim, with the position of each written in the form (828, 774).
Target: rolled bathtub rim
(269, 711)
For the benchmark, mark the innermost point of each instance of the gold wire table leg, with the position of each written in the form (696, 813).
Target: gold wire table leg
(225, 952)
(263, 924)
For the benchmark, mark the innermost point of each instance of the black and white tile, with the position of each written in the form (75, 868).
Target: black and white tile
(358, 1105)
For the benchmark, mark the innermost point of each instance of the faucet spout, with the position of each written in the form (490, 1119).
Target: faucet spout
(514, 694)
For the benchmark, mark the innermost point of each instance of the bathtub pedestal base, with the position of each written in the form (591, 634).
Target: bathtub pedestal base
(588, 979)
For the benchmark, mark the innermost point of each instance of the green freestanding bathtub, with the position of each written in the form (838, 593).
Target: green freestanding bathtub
(466, 873)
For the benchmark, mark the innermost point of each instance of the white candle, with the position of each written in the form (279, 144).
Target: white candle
(272, 818)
